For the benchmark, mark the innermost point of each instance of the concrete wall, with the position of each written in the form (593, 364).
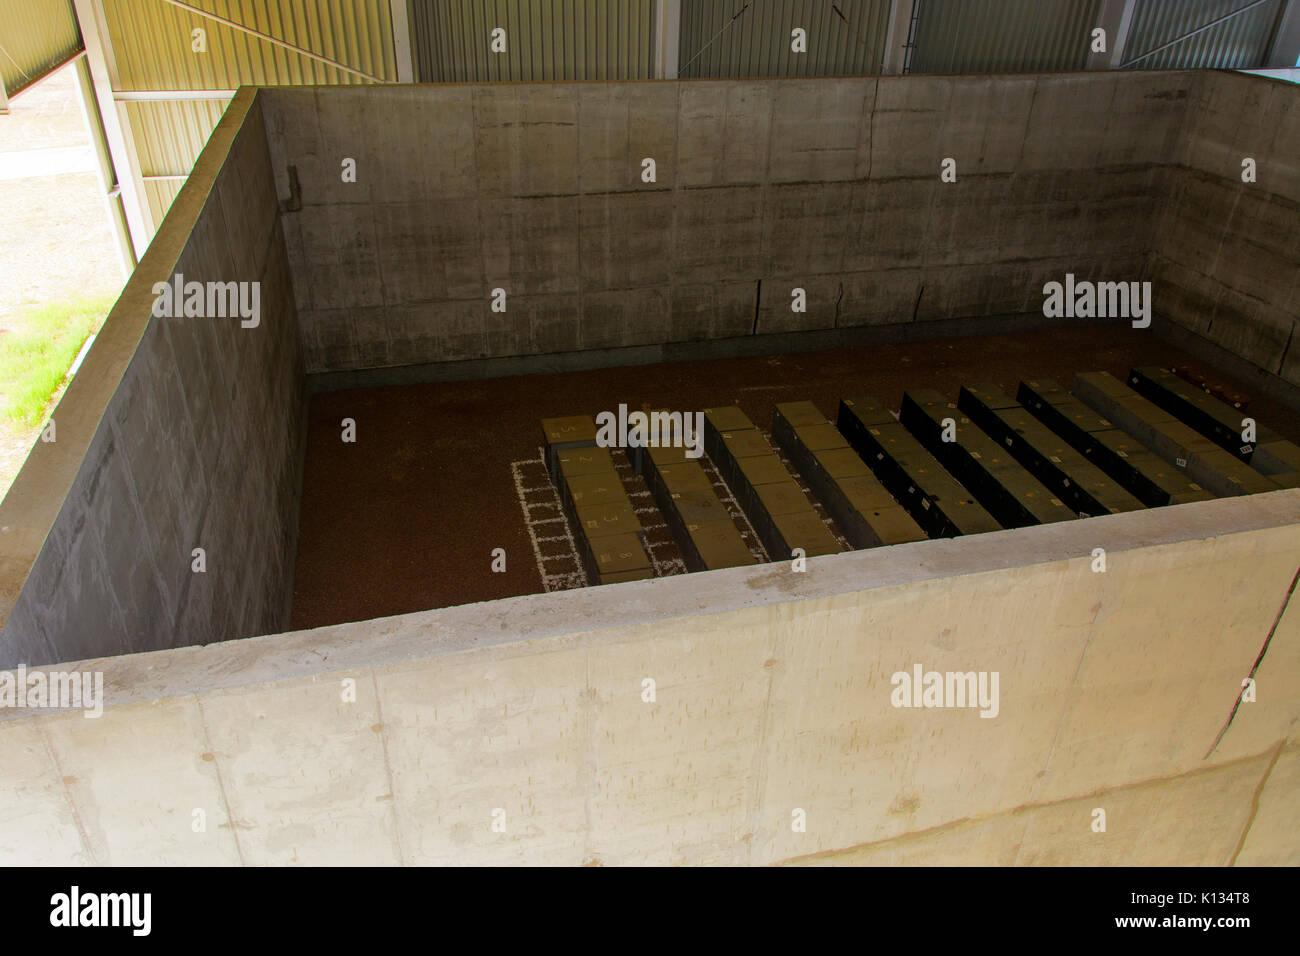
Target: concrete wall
(773, 694)
(1226, 258)
(176, 433)
(831, 185)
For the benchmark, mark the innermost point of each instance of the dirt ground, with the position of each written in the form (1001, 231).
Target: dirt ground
(58, 242)
(406, 518)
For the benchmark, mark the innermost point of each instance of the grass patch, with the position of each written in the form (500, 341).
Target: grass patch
(35, 357)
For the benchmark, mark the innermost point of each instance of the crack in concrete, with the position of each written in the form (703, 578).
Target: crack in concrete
(1295, 579)
(1281, 363)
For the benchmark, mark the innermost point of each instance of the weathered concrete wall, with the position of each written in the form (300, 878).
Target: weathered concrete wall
(772, 696)
(176, 433)
(830, 185)
(1226, 258)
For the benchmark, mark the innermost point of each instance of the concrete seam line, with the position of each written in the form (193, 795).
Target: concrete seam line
(67, 794)
(381, 728)
(758, 763)
(221, 780)
(1295, 579)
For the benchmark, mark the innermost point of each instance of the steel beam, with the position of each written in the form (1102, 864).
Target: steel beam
(104, 167)
(131, 96)
(1116, 18)
(117, 133)
(896, 33)
(668, 34)
(400, 11)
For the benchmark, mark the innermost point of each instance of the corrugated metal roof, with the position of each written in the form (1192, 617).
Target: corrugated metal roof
(35, 38)
(1002, 36)
(159, 193)
(170, 134)
(745, 38)
(1239, 42)
(152, 43)
(545, 40)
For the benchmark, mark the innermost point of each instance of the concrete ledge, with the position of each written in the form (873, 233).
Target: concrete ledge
(577, 618)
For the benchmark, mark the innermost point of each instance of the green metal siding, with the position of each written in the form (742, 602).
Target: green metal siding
(1241, 42)
(151, 45)
(845, 38)
(151, 41)
(169, 135)
(35, 37)
(545, 40)
(1003, 36)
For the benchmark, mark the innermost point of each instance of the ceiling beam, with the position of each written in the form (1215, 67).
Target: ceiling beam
(131, 96)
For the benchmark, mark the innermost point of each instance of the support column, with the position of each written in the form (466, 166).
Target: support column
(126, 165)
(896, 33)
(401, 19)
(668, 35)
(1116, 17)
(104, 166)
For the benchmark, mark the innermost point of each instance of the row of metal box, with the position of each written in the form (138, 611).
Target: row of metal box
(861, 507)
(699, 520)
(1115, 452)
(1203, 460)
(1264, 450)
(939, 469)
(607, 532)
(937, 501)
(783, 518)
(1046, 454)
(1050, 454)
